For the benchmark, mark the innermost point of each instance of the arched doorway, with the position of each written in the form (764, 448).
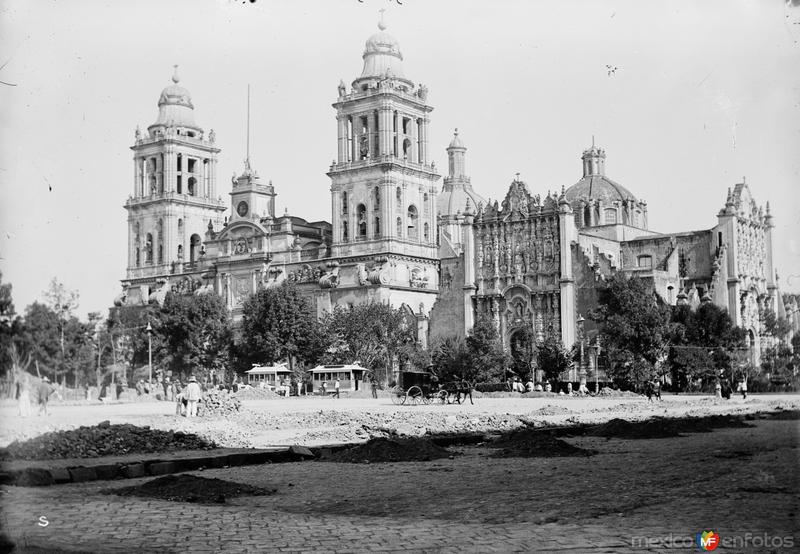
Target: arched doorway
(523, 352)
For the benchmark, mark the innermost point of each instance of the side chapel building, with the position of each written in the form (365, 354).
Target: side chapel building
(443, 256)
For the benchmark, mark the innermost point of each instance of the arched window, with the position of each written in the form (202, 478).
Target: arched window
(411, 222)
(361, 215)
(377, 231)
(611, 216)
(399, 228)
(406, 148)
(345, 236)
(645, 262)
(191, 186)
(377, 197)
(148, 249)
(194, 248)
(180, 252)
(425, 233)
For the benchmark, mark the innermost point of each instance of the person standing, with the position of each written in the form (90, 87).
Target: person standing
(374, 385)
(324, 388)
(193, 393)
(336, 388)
(24, 396)
(44, 390)
(743, 388)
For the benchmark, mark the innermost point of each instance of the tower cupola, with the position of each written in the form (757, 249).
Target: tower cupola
(456, 157)
(175, 108)
(594, 161)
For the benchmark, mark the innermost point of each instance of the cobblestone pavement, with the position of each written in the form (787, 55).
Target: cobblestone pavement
(633, 496)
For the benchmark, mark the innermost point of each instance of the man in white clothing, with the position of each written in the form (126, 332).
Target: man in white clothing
(192, 393)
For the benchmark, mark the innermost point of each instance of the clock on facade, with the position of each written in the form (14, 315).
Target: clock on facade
(242, 208)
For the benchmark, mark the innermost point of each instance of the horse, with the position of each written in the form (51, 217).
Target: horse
(455, 390)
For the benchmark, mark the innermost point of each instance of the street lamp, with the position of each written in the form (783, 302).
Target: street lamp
(581, 367)
(150, 351)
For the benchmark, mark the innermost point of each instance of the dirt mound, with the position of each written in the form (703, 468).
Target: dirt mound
(622, 429)
(785, 415)
(550, 410)
(617, 393)
(190, 488)
(102, 440)
(527, 443)
(256, 393)
(389, 450)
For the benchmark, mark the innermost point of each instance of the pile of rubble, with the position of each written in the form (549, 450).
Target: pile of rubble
(191, 488)
(605, 391)
(528, 443)
(397, 449)
(256, 393)
(103, 439)
(217, 402)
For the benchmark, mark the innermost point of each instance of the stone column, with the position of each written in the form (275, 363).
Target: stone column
(356, 136)
(567, 235)
(468, 287)
(398, 134)
(385, 130)
(372, 139)
(423, 135)
(413, 156)
(342, 124)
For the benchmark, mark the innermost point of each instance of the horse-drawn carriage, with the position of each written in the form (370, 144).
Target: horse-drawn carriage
(423, 387)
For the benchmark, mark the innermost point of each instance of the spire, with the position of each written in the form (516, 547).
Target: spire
(175, 78)
(456, 157)
(247, 163)
(382, 23)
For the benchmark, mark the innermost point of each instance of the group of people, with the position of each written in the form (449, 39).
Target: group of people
(186, 399)
(324, 389)
(25, 390)
(723, 389)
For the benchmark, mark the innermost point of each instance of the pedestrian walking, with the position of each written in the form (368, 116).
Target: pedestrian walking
(743, 388)
(336, 388)
(44, 390)
(324, 388)
(193, 393)
(374, 385)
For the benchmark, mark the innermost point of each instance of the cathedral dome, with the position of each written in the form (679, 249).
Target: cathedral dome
(175, 108)
(595, 185)
(453, 199)
(382, 56)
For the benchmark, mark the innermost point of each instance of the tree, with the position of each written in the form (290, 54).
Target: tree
(373, 334)
(489, 360)
(63, 302)
(193, 334)
(552, 358)
(10, 327)
(126, 327)
(704, 344)
(42, 339)
(634, 328)
(452, 360)
(278, 324)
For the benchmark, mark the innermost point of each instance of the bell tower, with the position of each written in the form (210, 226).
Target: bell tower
(383, 182)
(174, 191)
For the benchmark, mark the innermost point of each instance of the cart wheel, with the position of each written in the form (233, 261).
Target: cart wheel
(414, 395)
(442, 396)
(427, 399)
(404, 397)
(397, 396)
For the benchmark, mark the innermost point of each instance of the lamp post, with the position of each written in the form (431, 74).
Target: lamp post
(150, 351)
(581, 367)
(596, 348)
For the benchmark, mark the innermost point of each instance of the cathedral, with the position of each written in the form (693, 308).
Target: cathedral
(531, 263)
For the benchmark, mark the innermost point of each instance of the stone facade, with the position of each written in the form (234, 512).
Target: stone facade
(528, 262)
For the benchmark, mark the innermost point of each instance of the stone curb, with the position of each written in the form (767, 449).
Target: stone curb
(42, 477)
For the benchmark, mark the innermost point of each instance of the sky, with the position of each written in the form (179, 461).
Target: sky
(686, 97)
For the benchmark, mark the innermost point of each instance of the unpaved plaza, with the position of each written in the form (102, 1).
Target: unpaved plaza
(632, 496)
